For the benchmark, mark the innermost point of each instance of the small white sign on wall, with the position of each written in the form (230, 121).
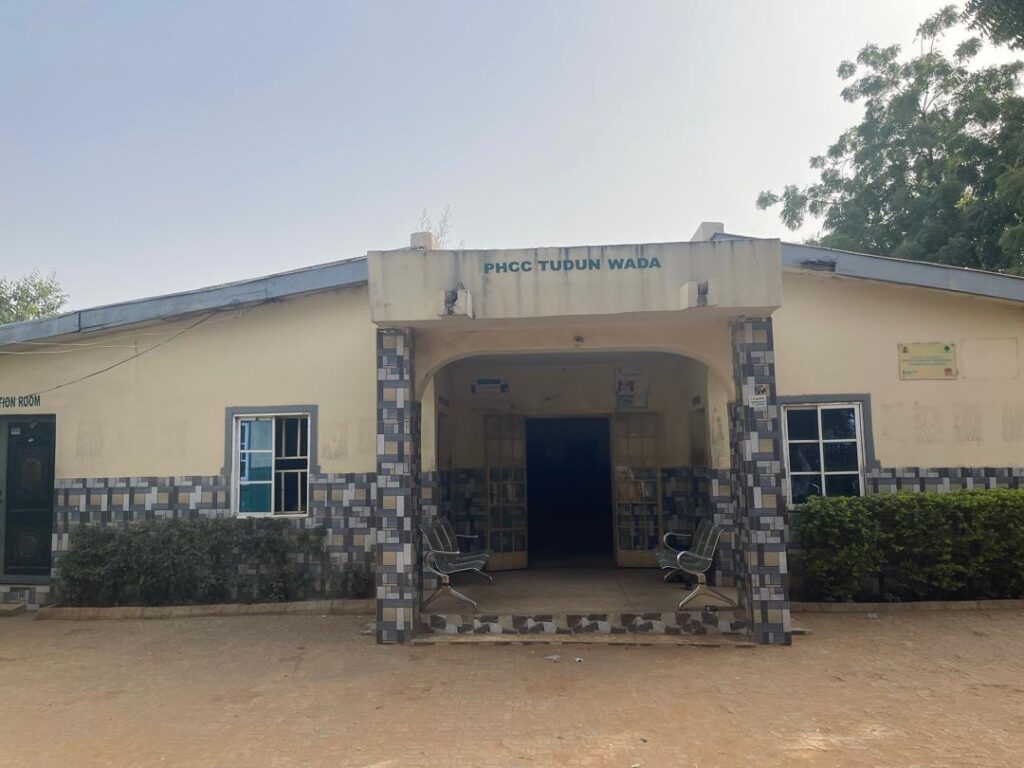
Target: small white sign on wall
(759, 399)
(631, 385)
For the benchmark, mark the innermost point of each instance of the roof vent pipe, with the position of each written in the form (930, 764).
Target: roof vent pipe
(422, 241)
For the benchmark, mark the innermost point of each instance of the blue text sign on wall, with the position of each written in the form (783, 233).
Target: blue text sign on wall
(20, 401)
(571, 265)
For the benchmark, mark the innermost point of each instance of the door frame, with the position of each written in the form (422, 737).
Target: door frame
(5, 420)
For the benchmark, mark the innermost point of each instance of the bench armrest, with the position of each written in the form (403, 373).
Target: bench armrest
(674, 535)
(432, 551)
(692, 555)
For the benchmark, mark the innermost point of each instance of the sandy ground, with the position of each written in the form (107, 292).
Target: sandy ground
(923, 689)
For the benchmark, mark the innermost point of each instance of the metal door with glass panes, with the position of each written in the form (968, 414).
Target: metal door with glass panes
(26, 495)
(636, 453)
(506, 491)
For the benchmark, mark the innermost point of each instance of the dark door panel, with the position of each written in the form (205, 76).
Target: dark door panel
(28, 496)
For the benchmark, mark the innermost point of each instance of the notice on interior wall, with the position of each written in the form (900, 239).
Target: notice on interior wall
(491, 394)
(927, 360)
(631, 386)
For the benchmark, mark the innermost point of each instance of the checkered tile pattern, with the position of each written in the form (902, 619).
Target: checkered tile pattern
(341, 503)
(762, 572)
(34, 596)
(942, 479)
(398, 494)
(463, 501)
(692, 493)
(701, 621)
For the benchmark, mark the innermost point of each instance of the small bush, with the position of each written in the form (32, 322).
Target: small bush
(914, 546)
(175, 562)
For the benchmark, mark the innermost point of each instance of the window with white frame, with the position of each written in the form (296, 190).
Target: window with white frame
(824, 450)
(272, 464)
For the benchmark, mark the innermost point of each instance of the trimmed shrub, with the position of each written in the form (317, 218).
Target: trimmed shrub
(177, 562)
(914, 546)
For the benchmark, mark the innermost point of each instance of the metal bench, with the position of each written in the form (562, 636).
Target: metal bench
(668, 557)
(444, 562)
(451, 538)
(697, 560)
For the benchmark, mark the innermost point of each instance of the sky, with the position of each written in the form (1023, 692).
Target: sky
(148, 148)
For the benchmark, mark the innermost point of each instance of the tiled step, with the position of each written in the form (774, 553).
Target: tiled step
(636, 638)
(703, 621)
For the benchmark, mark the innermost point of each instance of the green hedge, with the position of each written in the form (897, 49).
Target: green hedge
(914, 546)
(177, 562)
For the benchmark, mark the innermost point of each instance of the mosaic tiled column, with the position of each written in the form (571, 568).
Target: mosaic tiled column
(430, 509)
(398, 496)
(761, 521)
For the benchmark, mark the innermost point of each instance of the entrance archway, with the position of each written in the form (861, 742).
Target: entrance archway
(583, 457)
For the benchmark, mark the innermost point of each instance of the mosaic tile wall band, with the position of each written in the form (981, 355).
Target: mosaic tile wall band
(33, 596)
(757, 443)
(398, 494)
(341, 503)
(705, 621)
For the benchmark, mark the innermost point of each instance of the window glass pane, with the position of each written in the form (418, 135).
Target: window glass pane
(802, 423)
(288, 437)
(254, 465)
(254, 499)
(804, 486)
(842, 485)
(840, 457)
(255, 434)
(288, 492)
(804, 457)
(838, 423)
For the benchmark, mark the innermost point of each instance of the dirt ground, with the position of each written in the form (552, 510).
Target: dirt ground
(923, 689)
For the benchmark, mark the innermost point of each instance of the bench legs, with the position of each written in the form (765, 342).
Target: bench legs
(485, 575)
(702, 586)
(446, 588)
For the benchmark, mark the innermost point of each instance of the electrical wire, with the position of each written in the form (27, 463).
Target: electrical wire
(75, 346)
(138, 354)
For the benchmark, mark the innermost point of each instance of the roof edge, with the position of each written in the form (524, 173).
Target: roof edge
(886, 269)
(321, 277)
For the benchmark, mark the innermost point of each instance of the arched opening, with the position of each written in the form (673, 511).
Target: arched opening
(580, 459)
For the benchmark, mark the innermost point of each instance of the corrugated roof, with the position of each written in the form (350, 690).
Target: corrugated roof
(340, 274)
(322, 277)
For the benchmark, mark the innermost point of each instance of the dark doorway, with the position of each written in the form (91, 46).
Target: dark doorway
(569, 491)
(26, 504)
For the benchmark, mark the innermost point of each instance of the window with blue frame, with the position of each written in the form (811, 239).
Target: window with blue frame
(272, 464)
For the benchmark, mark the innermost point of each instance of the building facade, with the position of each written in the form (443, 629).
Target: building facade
(550, 400)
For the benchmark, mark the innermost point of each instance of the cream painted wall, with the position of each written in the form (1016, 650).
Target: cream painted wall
(163, 413)
(562, 386)
(838, 336)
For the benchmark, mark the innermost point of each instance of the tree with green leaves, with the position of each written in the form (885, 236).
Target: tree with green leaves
(30, 297)
(935, 169)
(1000, 20)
